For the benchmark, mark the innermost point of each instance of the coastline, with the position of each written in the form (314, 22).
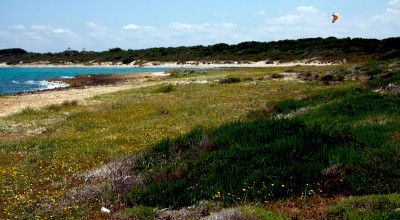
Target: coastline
(176, 65)
(81, 91)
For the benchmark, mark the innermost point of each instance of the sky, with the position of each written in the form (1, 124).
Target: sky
(54, 25)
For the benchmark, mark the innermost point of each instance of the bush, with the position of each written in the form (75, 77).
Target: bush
(367, 207)
(115, 50)
(327, 78)
(260, 113)
(140, 213)
(289, 105)
(64, 104)
(165, 88)
(127, 61)
(230, 80)
(277, 76)
(373, 68)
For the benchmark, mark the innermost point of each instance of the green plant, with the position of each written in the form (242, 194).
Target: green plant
(327, 78)
(140, 213)
(230, 80)
(289, 105)
(259, 160)
(367, 207)
(255, 212)
(165, 88)
(277, 76)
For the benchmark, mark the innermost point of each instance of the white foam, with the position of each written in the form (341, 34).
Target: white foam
(67, 77)
(45, 85)
(52, 85)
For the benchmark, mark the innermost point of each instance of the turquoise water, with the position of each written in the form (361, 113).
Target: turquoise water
(15, 79)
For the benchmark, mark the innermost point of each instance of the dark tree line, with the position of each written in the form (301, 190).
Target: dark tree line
(328, 49)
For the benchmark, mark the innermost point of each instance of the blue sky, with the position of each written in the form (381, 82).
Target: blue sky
(54, 25)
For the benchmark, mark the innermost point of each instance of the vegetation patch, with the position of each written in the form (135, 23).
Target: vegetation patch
(260, 160)
(255, 212)
(230, 80)
(165, 88)
(277, 76)
(367, 207)
(140, 213)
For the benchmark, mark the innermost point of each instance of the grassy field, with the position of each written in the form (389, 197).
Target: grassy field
(238, 115)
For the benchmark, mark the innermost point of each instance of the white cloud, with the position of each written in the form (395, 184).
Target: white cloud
(262, 13)
(394, 4)
(149, 27)
(131, 27)
(41, 27)
(96, 27)
(391, 14)
(41, 30)
(203, 26)
(18, 27)
(301, 15)
(178, 25)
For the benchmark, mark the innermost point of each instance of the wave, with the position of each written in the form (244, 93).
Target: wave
(45, 85)
(67, 77)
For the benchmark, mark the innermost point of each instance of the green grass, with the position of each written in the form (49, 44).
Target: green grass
(77, 138)
(204, 130)
(260, 160)
(165, 88)
(367, 207)
(140, 213)
(259, 213)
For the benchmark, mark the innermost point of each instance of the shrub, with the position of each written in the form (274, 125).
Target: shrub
(141, 213)
(373, 68)
(229, 80)
(327, 78)
(115, 50)
(260, 113)
(64, 104)
(277, 76)
(165, 88)
(289, 105)
(127, 61)
(367, 207)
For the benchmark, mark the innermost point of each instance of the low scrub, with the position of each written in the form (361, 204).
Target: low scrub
(367, 207)
(230, 80)
(140, 212)
(277, 76)
(330, 150)
(165, 88)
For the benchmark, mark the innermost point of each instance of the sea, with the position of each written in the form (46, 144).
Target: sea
(23, 79)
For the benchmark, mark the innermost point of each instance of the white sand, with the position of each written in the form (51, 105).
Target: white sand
(194, 64)
(188, 64)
